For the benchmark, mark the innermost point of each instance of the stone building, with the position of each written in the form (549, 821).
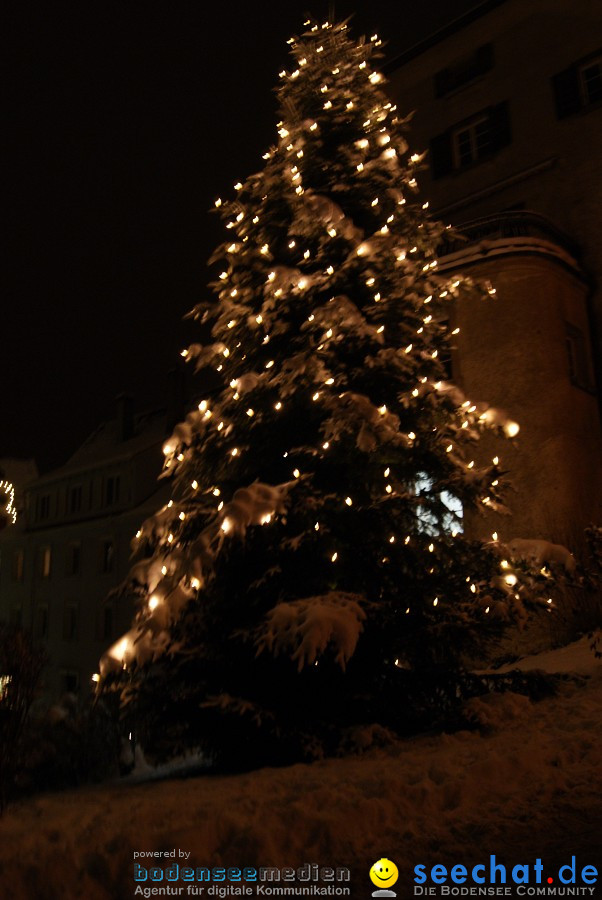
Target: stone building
(508, 102)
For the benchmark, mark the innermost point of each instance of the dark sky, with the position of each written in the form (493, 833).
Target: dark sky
(123, 122)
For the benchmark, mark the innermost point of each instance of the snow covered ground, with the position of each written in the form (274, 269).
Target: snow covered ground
(527, 785)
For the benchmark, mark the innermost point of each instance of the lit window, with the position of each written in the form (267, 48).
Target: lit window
(18, 565)
(107, 555)
(45, 561)
(437, 512)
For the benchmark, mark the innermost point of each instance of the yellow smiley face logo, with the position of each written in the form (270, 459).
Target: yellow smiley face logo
(384, 873)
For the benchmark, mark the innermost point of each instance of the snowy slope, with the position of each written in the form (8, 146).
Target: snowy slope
(528, 785)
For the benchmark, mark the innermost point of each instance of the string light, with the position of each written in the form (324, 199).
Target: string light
(9, 507)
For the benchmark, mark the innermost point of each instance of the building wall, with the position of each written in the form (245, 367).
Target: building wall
(60, 561)
(512, 353)
(551, 165)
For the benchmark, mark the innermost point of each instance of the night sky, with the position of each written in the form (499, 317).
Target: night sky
(123, 122)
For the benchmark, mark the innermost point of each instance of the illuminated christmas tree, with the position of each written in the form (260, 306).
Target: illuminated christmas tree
(311, 569)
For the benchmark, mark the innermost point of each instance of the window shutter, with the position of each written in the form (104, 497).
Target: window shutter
(441, 155)
(499, 126)
(566, 92)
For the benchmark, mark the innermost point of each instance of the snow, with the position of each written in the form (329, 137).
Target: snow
(526, 785)
(541, 552)
(255, 504)
(304, 628)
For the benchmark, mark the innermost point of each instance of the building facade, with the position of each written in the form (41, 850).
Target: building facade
(508, 102)
(70, 546)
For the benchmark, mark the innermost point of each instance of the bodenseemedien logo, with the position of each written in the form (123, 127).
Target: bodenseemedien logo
(383, 875)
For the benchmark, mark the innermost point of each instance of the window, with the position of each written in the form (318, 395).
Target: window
(107, 555)
(112, 490)
(464, 71)
(437, 513)
(69, 681)
(44, 561)
(591, 81)
(41, 621)
(44, 506)
(75, 498)
(70, 620)
(471, 141)
(579, 86)
(578, 358)
(107, 625)
(74, 558)
(18, 565)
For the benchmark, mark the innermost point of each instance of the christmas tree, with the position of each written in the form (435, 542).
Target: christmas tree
(311, 571)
